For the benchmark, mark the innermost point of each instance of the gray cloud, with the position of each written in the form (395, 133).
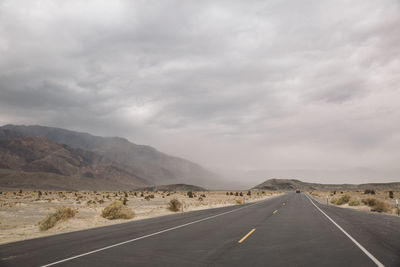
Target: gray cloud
(229, 84)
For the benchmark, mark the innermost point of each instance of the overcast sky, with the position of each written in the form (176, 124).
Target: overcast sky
(232, 85)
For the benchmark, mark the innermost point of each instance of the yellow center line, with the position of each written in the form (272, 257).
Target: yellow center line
(246, 236)
(275, 211)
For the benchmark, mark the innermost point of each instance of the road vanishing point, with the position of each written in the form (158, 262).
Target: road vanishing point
(288, 230)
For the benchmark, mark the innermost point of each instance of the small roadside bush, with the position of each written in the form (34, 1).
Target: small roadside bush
(117, 210)
(390, 194)
(369, 201)
(369, 191)
(61, 214)
(354, 202)
(190, 194)
(343, 200)
(380, 206)
(174, 205)
(376, 204)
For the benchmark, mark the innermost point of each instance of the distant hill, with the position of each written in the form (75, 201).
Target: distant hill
(292, 184)
(144, 162)
(175, 187)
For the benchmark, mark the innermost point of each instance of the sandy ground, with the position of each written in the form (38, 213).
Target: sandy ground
(327, 196)
(21, 212)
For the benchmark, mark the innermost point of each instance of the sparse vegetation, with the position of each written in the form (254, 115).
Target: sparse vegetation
(61, 214)
(190, 194)
(390, 194)
(369, 191)
(343, 199)
(174, 205)
(354, 202)
(239, 201)
(116, 210)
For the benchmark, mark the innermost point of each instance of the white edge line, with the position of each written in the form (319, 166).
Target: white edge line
(149, 235)
(375, 260)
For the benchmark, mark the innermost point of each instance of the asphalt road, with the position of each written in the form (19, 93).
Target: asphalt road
(288, 230)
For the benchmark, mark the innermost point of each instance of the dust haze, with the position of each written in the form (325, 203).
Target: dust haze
(251, 90)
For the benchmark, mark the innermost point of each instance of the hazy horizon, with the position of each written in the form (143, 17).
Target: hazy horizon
(246, 89)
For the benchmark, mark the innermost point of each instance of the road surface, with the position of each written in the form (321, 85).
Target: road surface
(288, 230)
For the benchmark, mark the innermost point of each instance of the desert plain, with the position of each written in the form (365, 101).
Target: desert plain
(22, 211)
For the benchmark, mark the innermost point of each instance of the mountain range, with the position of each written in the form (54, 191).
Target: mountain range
(48, 157)
(293, 184)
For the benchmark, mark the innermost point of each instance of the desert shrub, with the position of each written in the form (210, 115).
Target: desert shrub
(125, 201)
(125, 194)
(203, 195)
(227, 193)
(200, 198)
(354, 202)
(239, 201)
(380, 206)
(101, 201)
(231, 193)
(61, 214)
(241, 194)
(369, 191)
(333, 200)
(190, 194)
(147, 198)
(343, 199)
(237, 194)
(174, 205)
(390, 194)
(151, 196)
(369, 201)
(117, 210)
(249, 193)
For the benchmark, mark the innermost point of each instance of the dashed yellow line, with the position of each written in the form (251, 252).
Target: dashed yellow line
(246, 236)
(275, 211)
(284, 204)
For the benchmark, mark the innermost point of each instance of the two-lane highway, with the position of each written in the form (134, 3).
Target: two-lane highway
(288, 230)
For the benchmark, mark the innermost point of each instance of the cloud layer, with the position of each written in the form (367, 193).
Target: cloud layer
(229, 84)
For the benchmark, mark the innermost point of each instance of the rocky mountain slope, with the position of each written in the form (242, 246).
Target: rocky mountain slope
(144, 162)
(39, 161)
(292, 184)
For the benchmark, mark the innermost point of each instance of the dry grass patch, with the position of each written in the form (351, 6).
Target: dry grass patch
(376, 204)
(354, 202)
(117, 210)
(342, 200)
(61, 214)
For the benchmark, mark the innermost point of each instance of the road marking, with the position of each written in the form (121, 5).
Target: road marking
(375, 260)
(275, 211)
(149, 235)
(246, 236)
(284, 204)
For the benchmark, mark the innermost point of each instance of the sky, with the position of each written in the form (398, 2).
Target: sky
(236, 86)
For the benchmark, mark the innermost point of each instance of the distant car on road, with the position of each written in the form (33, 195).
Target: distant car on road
(297, 190)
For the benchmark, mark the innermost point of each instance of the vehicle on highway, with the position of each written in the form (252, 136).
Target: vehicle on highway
(297, 190)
